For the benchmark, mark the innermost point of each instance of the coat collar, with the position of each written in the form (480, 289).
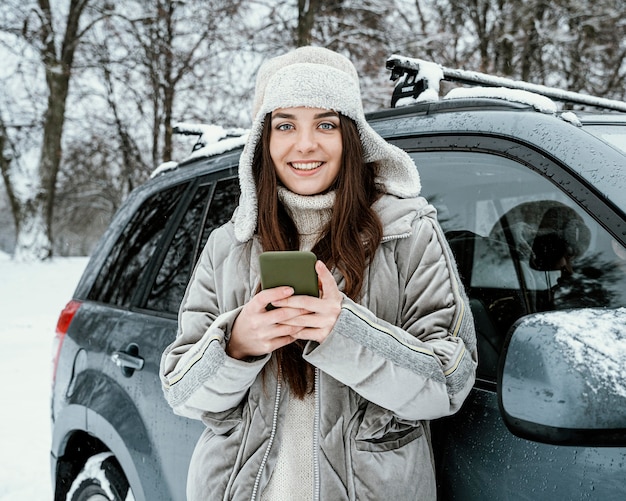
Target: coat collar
(398, 214)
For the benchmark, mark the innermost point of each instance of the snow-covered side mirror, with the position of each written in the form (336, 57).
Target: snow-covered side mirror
(562, 378)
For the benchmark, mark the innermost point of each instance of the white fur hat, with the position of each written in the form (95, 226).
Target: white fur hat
(317, 78)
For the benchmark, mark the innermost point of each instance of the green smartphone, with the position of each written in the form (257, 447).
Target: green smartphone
(293, 268)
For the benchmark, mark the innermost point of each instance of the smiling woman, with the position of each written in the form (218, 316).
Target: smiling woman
(323, 397)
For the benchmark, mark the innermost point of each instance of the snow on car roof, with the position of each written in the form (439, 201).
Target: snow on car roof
(540, 103)
(214, 140)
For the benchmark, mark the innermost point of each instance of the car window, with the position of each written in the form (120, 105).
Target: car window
(521, 244)
(223, 205)
(171, 280)
(123, 268)
(184, 249)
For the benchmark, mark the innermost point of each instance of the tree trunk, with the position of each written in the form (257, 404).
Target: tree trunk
(5, 169)
(170, 84)
(306, 19)
(531, 67)
(27, 214)
(34, 231)
(58, 87)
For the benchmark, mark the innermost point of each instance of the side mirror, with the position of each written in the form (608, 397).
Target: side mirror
(562, 378)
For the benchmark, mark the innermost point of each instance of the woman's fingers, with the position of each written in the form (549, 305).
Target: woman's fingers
(328, 285)
(268, 296)
(319, 314)
(257, 331)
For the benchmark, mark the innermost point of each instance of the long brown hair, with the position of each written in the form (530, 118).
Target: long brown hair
(348, 243)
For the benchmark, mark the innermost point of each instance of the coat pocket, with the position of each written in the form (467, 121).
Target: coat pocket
(381, 431)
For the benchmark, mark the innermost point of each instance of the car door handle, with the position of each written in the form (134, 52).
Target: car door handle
(128, 360)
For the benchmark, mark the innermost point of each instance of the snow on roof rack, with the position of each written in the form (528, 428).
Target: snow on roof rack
(207, 134)
(212, 140)
(421, 79)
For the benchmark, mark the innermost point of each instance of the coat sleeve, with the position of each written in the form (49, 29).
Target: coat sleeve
(197, 375)
(424, 367)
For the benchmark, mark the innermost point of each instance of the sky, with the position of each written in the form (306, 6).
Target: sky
(31, 297)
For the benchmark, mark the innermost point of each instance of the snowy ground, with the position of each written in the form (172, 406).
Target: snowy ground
(31, 297)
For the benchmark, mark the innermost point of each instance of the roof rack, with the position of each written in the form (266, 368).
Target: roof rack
(188, 131)
(210, 135)
(421, 82)
(206, 133)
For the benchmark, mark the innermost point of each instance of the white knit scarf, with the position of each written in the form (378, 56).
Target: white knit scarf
(309, 213)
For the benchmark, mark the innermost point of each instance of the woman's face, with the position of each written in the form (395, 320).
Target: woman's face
(306, 148)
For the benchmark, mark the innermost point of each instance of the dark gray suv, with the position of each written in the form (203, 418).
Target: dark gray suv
(533, 203)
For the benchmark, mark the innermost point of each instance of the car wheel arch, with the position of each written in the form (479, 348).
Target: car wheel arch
(73, 447)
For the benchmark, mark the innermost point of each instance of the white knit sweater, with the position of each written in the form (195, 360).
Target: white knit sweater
(293, 476)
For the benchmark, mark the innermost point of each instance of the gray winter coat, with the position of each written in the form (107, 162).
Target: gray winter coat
(403, 356)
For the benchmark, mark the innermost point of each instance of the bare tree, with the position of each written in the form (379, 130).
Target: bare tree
(144, 65)
(91, 187)
(595, 51)
(34, 209)
(578, 45)
(165, 48)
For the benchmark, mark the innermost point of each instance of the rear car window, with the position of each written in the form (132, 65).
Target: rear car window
(151, 263)
(171, 280)
(123, 268)
(188, 241)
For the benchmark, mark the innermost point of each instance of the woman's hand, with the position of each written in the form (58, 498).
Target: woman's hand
(320, 314)
(258, 331)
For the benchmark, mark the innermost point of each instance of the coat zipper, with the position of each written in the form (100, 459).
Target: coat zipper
(316, 439)
(399, 236)
(257, 480)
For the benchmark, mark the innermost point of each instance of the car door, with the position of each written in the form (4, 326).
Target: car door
(522, 245)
